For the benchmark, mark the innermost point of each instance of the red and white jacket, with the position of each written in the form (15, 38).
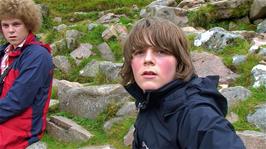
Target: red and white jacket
(26, 94)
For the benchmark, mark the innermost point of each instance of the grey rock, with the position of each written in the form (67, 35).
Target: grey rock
(129, 137)
(177, 15)
(98, 147)
(209, 64)
(261, 28)
(57, 19)
(106, 51)
(82, 52)
(262, 52)
(258, 118)
(60, 27)
(253, 139)
(216, 39)
(108, 124)
(67, 130)
(258, 9)
(91, 26)
(129, 108)
(38, 145)
(90, 101)
(259, 74)
(238, 59)
(235, 94)
(62, 63)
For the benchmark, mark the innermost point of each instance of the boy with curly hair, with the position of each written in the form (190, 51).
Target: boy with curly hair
(177, 109)
(26, 75)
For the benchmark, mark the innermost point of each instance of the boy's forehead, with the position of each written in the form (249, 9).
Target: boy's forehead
(11, 20)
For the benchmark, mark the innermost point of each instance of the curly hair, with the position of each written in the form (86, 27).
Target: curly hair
(162, 34)
(25, 10)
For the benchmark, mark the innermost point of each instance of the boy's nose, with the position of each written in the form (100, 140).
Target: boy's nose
(149, 56)
(11, 29)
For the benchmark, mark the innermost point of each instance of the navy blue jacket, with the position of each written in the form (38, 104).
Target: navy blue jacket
(183, 115)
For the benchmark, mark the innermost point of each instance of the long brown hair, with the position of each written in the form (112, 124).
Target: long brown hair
(161, 34)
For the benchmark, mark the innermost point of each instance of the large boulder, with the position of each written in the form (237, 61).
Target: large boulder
(90, 101)
(67, 130)
(258, 9)
(209, 64)
(253, 139)
(177, 15)
(235, 94)
(216, 39)
(259, 74)
(258, 118)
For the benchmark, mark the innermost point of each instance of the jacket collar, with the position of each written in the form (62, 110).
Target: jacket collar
(152, 98)
(30, 39)
(175, 94)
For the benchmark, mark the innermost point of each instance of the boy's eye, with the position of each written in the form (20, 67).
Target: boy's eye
(4, 25)
(162, 52)
(16, 24)
(138, 52)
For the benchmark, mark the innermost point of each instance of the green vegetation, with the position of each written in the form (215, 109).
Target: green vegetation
(206, 13)
(248, 106)
(210, 16)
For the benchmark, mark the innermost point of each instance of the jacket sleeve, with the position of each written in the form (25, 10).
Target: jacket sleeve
(204, 128)
(34, 68)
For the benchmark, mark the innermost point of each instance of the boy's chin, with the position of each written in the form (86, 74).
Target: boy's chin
(150, 87)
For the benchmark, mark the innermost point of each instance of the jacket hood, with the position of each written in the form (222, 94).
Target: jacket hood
(175, 94)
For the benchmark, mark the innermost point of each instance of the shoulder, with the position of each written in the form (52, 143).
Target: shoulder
(203, 92)
(36, 51)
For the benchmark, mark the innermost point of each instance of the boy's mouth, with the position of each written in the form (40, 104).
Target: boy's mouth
(148, 73)
(12, 37)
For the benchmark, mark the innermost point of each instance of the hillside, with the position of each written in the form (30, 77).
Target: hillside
(86, 34)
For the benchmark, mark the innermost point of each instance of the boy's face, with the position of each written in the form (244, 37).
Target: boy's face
(152, 68)
(14, 31)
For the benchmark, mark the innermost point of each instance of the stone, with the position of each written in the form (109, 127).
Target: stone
(109, 124)
(128, 108)
(235, 94)
(38, 145)
(98, 147)
(258, 9)
(129, 137)
(60, 27)
(259, 74)
(216, 39)
(62, 63)
(82, 52)
(67, 130)
(209, 64)
(238, 59)
(90, 101)
(106, 51)
(253, 139)
(258, 118)
(261, 28)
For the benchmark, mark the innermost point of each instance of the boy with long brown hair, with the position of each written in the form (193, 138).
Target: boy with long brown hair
(177, 109)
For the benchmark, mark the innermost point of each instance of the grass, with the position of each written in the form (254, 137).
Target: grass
(205, 13)
(248, 106)
(63, 7)
(246, 79)
(95, 36)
